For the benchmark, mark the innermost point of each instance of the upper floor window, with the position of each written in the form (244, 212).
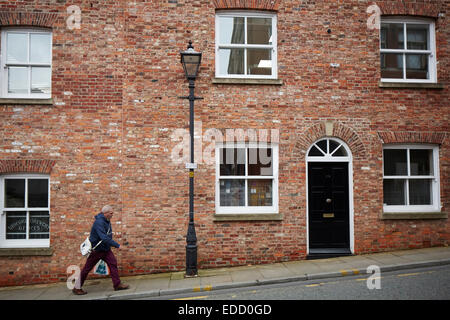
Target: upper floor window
(25, 211)
(246, 45)
(26, 63)
(408, 51)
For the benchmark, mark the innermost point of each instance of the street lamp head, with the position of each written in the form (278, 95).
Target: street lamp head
(191, 61)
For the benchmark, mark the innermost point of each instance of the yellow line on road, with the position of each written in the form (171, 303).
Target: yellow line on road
(409, 274)
(365, 279)
(314, 285)
(191, 298)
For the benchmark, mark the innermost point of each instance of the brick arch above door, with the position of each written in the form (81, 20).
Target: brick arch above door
(330, 129)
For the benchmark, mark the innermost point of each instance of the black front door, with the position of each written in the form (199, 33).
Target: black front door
(328, 192)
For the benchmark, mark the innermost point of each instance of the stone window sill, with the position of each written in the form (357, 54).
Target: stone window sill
(248, 217)
(413, 215)
(26, 101)
(277, 82)
(8, 252)
(407, 85)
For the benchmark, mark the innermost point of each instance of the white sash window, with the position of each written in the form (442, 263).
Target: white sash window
(26, 63)
(408, 50)
(247, 178)
(246, 45)
(25, 211)
(411, 178)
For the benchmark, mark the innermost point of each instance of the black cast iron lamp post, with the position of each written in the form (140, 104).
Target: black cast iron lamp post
(191, 62)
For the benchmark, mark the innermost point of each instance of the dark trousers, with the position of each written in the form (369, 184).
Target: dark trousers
(92, 260)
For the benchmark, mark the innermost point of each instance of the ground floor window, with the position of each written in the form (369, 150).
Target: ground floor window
(247, 178)
(25, 211)
(411, 178)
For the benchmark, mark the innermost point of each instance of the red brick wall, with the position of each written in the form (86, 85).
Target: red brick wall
(116, 83)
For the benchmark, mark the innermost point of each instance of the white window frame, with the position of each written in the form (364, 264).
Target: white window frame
(4, 65)
(435, 185)
(273, 46)
(248, 209)
(22, 243)
(431, 53)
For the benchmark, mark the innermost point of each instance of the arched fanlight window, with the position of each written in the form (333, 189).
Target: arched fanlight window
(329, 148)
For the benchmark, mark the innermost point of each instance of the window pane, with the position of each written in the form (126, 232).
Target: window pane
(392, 65)
(41, 79)
(40, 48)
(14, 193)
(340, 152)
(232, 162)
(260, 192)
(417, 36)
(314, 152)
(231, 61)
(420, 192)
(39, 225)
(232, 192)
(231, 30)
(259, 61)
(392, 36)
(260, 162)
(395, 162)
(394, 192)
(37, 193)
(18, 80)
(16, 225)
(421, 162)
(333, 145)
(417, 66)
(323, 145)
(17, 47)
(259, 30)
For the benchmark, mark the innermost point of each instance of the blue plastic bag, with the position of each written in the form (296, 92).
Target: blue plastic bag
(101, 268)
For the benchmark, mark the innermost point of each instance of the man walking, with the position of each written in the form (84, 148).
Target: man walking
(101, 231)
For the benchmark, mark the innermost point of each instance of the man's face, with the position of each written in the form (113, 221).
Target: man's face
(108, 215)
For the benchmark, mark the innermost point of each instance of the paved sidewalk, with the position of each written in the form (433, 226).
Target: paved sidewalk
(224, 278)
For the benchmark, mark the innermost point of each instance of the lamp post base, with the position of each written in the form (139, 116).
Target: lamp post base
(191, 249)
(191, 260)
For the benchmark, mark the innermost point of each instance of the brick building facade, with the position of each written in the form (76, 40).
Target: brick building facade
(90, 107)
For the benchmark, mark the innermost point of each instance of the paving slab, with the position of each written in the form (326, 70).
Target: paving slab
(211, 281)
(300, 268)
(275, 271)
(245, 275)
(387, 259)
(193, 282)
(22, 294)
(154, 284)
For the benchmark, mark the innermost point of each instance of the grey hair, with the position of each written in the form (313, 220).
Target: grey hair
(106, 208)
